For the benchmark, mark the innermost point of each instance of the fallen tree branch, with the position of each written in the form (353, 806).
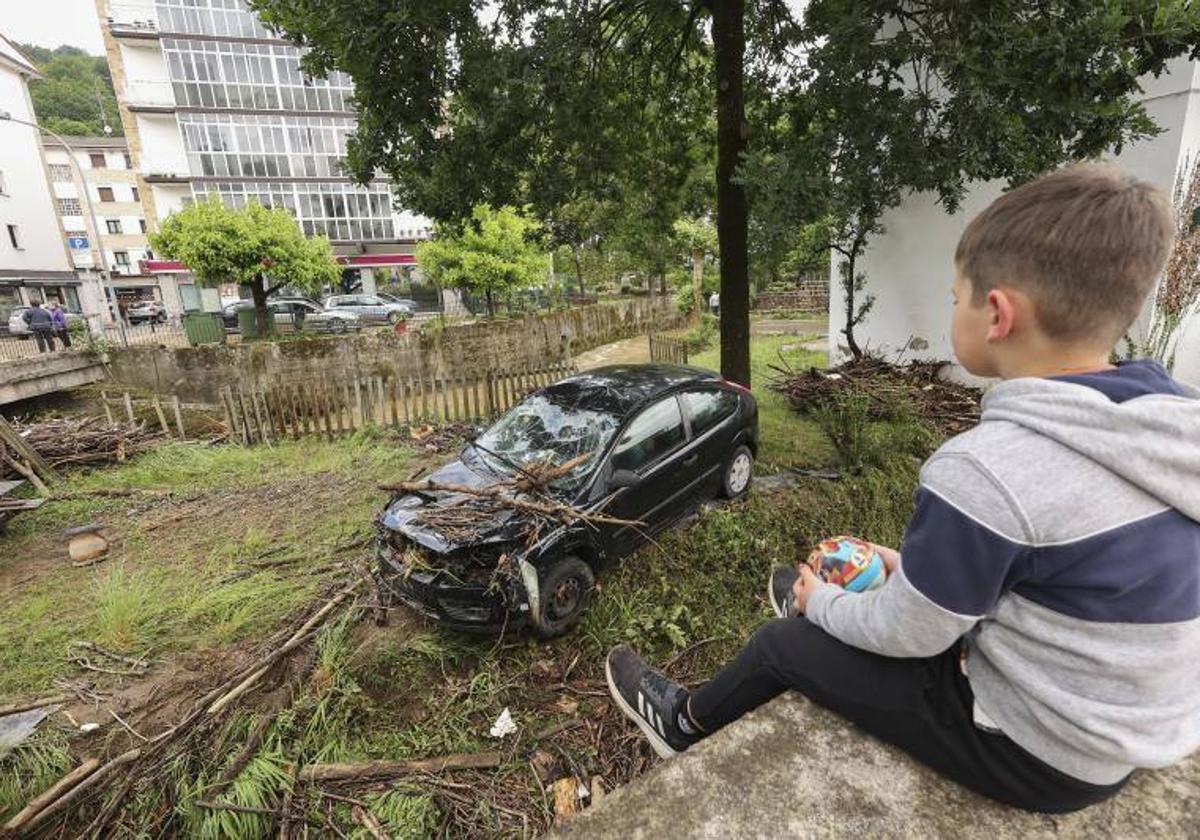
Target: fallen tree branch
(369, 821)
(26, 705)
(51, 793)
(73, 793)
(374, 769)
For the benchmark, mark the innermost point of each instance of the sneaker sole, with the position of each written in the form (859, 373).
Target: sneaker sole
(779, 613)
(660, 746)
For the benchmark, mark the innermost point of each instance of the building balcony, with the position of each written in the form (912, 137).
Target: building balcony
(132, 20)
(166, 169)
(149, 95)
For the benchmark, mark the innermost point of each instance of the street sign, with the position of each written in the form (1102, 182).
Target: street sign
(77, 243)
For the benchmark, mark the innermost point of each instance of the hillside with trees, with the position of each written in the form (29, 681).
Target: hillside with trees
(76, 96)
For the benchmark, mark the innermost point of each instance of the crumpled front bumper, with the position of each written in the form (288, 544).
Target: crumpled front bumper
(444, 597)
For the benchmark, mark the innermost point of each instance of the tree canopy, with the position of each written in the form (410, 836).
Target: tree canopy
(76, 96)
(493, 253)
(568, 106)
(252, 246)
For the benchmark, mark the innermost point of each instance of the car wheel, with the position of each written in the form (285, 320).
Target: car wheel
(565, 590)
(738, 473)
(393, 317)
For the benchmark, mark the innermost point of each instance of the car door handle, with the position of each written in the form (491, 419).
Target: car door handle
(690, 461)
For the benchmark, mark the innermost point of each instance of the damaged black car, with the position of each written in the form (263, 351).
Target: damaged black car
(570, 480)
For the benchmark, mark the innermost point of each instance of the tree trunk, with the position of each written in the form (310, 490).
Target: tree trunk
(258, 291)
(729, 47)
(848, 291)
(491, 304)
(698, 280)
(578, 271)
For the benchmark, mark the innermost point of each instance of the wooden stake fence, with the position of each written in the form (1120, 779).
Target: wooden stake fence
(671, 350)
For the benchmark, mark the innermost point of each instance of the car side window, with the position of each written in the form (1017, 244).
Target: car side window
(652, 434)
(708, 408)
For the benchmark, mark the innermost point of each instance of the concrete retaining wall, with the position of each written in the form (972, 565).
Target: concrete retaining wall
(197, 373)
(23, 379)
(792, 769)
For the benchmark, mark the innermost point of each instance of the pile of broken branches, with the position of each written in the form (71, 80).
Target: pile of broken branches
(87, 440)
(527, 494)
(950, 407)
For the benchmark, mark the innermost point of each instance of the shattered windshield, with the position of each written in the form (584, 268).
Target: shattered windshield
(541, 432)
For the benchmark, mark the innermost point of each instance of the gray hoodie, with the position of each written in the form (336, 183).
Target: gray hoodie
(1060, 538)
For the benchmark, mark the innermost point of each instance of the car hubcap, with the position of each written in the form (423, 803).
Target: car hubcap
(739, 473)
(566, 598)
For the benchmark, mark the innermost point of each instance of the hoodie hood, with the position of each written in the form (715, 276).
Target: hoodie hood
(1151, 441)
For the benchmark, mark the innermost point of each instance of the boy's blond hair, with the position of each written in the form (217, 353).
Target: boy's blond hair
(1086, 243)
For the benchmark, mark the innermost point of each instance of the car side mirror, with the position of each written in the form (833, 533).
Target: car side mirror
(623, 478)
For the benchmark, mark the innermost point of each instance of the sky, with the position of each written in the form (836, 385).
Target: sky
(51, 23)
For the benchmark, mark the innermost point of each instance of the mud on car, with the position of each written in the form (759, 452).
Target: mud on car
(644, 444)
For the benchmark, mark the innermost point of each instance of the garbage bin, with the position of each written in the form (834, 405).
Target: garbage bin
(203, 328)
(248, 324)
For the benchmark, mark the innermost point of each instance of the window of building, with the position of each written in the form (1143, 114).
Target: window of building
(128, 162)
(136, 197)
(113, 225)
(106, 194)
(60, 173)
(121, 257)
(142, 224)
(97, 160)
(14, 237)
(68, 207)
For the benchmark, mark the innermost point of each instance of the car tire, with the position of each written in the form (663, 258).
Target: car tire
(739, 473)
(565, 590)
(393, 317)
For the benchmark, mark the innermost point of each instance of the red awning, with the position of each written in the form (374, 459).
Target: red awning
(352, 261)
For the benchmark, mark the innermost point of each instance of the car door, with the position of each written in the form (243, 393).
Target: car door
(376, 307)
(709, 413)
(648, 446)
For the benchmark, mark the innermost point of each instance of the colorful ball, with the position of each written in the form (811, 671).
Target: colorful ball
(850, 563)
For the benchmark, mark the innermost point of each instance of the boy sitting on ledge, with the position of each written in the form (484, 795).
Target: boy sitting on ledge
(1035, 638)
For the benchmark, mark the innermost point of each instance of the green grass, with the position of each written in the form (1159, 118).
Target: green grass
(786, 439)
(175, 586)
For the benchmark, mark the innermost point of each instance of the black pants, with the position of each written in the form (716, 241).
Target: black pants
(45, 340)
(64, 336)
(923, 706)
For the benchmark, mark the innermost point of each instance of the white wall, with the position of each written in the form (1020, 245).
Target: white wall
(162, 145)
(27, 202)
(911, 266)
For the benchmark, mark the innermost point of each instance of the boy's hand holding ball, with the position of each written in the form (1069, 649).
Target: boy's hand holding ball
(850, 563)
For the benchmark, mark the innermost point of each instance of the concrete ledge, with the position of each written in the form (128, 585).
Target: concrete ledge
(791, 769)
(22, 379)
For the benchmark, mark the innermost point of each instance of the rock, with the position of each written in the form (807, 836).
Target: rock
(791, 769)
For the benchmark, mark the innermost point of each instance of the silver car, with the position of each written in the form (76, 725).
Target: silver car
(369, 308)
(17, 325)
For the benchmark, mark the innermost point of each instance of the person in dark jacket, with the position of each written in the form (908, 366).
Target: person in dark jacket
(58, 316)
(41, 325)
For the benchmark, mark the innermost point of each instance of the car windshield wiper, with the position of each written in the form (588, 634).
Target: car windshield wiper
(504, 460)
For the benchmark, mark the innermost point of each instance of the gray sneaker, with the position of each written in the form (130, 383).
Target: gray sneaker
(779, 591)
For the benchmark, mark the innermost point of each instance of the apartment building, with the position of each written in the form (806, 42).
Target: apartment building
(213, 102)
(33, 258)
(104, 169)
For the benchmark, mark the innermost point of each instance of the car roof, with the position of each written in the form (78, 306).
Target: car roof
(619, 389)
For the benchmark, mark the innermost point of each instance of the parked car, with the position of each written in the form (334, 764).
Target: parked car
(370, 308)
(409, 302)
(333, 320)
(17, 325)
(654, 441)
(229, 313)
(146, 312)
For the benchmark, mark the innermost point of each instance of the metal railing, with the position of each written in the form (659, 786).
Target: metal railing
(149, 92)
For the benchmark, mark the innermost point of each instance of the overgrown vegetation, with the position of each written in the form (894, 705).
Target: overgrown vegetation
(196, 572)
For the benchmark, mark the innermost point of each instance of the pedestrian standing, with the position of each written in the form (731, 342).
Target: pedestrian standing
(41, 325)
(58, 317)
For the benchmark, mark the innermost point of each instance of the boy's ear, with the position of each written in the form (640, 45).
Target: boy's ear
(1002, 314)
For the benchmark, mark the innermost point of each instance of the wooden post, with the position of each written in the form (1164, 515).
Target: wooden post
(327, 409)
(470, 398)
(263, 433)
(456, 382)
(391, 384)
(178, 416)
(379, 393)
(489, 398)
(162, 418)
(358, 398)
(405, 386)
(107, 411)
(25, 452)
(129, 408)
(445, 401)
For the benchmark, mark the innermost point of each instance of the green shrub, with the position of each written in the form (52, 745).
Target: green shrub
(703, 335)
